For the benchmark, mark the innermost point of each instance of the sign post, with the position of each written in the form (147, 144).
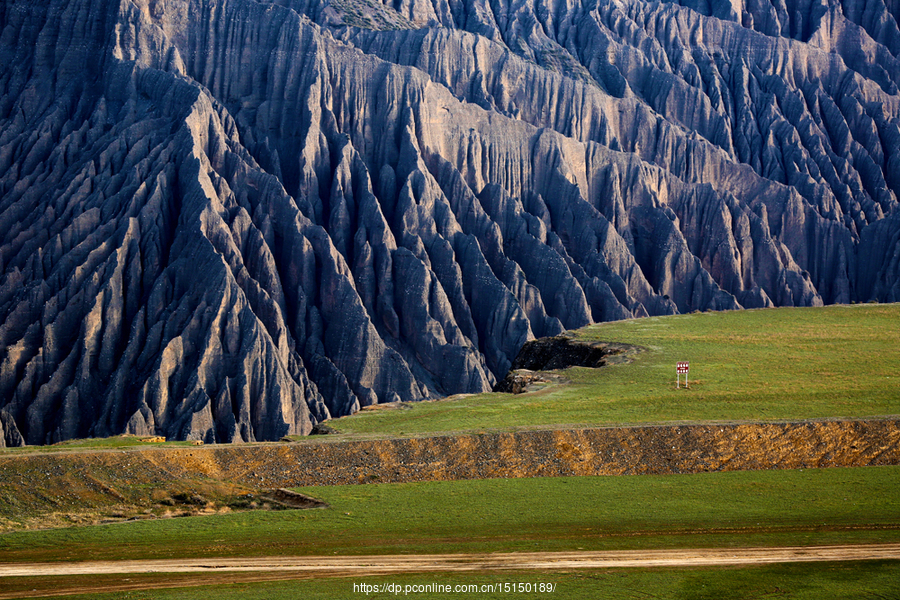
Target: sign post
(681, 368)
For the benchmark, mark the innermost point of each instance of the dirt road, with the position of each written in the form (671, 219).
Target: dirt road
(301, 567)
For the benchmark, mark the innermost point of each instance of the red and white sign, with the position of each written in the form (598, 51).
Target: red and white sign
(681, 369)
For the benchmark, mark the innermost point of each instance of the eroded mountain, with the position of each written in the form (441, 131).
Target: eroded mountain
(232, 219)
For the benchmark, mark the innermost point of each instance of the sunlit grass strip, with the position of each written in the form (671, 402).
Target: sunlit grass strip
(118, 442)
(757, 365)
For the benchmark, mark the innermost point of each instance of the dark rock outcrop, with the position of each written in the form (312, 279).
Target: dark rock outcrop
(230, 220)
(562, 351)
(559, 352)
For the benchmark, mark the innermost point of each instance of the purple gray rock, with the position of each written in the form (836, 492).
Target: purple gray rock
(230, 220)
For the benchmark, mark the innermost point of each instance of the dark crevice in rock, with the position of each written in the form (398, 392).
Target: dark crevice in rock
(562, 351)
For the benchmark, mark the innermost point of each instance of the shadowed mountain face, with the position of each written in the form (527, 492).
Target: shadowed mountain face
(231, 219)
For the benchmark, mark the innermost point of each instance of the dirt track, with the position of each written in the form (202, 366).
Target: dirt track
(303, 567)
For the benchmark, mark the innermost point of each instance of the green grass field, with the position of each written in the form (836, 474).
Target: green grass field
(741, 508)
(756, 365)
(735, 509)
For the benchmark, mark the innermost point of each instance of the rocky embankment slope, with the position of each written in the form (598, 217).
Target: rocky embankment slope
(66, 488)
(230, 220)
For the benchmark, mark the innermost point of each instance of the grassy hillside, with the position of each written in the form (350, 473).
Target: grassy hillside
(774, 364)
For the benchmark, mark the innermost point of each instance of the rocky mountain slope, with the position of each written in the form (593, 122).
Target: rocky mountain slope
(231, 219)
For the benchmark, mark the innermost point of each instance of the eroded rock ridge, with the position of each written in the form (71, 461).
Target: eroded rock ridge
(230, 220)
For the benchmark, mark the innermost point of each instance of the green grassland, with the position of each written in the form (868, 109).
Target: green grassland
(755, 365)
(741, 508)
(733, 509)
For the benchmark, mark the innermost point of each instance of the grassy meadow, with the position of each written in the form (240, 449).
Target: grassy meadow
(739, 508)
(754, 365)
(733, 509)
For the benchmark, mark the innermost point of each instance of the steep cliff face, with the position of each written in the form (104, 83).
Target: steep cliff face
(231, 219)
